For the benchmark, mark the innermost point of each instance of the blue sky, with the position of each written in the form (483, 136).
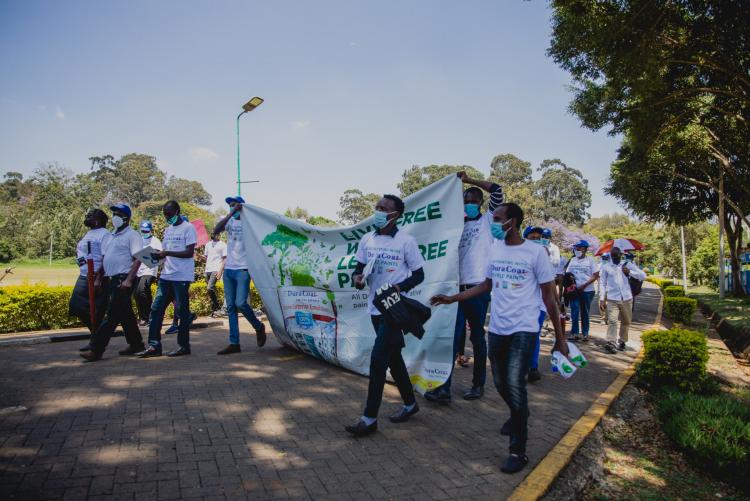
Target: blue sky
(356, 91)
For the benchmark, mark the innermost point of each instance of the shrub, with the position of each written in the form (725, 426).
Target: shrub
(40, 307)
(714, 430)
(674, 357)
(680, 309)
(660, 282)
(674, 291)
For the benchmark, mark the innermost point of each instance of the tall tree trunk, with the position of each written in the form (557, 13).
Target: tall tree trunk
(733, 226)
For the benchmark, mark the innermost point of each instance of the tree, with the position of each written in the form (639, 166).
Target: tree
(702, 268)
(297, 213)
(673, 78)
(132, 179)
(416, 177)
(184, 190)
(564, 193)
(356, 206)
(510, 172)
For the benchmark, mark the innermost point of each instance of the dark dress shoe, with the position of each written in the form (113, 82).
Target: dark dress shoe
(179, 352)
(440, 395)
(261, 335)
(514, 463)
(149, 352)
(360, 429)
(475, 393)
(131, 350)
(232, 348)
(404, 415)
(173, 329)
(91, 355)
(86, 347)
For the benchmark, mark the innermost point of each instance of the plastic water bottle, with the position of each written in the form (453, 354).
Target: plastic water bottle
(562, 365)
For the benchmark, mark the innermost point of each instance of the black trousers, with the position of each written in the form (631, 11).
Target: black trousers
(119, 311)
(143, 296)
(386, 353)
(211, 289)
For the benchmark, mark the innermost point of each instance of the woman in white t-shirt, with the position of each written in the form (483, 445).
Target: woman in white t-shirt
(90, 246)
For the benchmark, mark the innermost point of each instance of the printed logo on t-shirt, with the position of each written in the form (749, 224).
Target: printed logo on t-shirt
(509, 274)
(387, 260)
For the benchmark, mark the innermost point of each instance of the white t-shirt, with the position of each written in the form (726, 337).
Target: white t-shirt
(554, 255)
(215, 252)
(177, 238)
(516, 272)
(98, 239)
(119, 251)
(236, 255)
(155, 244)
(473, 249)
(582, 269)
(396, 257)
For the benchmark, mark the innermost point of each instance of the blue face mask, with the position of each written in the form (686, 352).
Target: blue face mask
(498, 231)
(146, 236)
(471, 210)
(172, 220)
(545, 242)
(236, 215)
(538, 242)
(381, 219)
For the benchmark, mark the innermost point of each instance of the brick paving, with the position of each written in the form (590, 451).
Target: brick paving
(263, 424)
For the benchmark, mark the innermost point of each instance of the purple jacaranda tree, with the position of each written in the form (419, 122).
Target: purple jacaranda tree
(565, 237)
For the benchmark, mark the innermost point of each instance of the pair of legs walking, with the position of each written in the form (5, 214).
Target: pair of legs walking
(169, 291)
(236, 290)
(118, 311)
(619, 317)
(580, 307)
(143, 297)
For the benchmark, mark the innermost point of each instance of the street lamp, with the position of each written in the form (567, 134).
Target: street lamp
(247, 107)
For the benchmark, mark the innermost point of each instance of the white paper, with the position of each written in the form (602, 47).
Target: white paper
(144, 256)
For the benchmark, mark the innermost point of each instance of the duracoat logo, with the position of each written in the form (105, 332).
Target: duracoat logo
(435, 372)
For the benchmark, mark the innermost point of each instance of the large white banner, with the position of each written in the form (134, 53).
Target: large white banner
(303, 274)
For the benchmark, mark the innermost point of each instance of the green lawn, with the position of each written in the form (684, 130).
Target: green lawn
(60, 272)
(735, 310)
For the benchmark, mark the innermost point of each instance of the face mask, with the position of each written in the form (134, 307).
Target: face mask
(236, 215)
(381, 219)
(538, 242)
(498, 231)
(471, 210)
(146, 236)
(545, 242)
(117, 222)
(578, 253)
(172, 220)
(616, 260)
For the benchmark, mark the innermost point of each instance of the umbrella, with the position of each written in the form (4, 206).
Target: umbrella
(624, 244)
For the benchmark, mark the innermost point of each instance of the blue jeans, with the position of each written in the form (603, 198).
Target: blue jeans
(166, 292)
(509, 357)
(581, 307)
(534, 362)
(236, 288)
(386, 353)
(474, 310)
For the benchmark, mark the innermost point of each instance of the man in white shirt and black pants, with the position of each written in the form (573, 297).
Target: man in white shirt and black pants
(617, 298)
(396, 260)
(521, 278)
(146, 276)
(120, 266)
(177, 274)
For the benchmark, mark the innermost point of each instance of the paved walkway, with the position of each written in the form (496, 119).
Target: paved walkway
(266, 423)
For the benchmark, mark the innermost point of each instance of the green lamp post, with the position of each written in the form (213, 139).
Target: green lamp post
(247, 107)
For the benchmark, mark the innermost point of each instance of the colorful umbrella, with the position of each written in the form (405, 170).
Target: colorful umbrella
(624, 244)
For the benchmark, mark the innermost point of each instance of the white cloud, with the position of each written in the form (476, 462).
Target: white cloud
(59, 113)
(301, 124)
(202, 154)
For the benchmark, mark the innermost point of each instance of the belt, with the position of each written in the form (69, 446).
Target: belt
(464, 287)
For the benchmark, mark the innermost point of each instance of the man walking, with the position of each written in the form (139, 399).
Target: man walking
(394, 258)
(174, 283)
(120, 267)
(237, 278)
(216, 255)
(586, 272)
(146, 276)
(617, 298)
(473, 249)
(520, 277)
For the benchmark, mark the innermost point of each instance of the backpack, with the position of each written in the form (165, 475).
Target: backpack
(635, 286)
(570, 290)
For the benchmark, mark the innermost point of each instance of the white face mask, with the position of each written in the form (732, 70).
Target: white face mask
(578, 253)
(117, 222)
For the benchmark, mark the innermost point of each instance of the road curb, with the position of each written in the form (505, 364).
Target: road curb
(540, 479)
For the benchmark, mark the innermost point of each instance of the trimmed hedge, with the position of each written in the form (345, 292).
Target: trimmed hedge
(660, 282)
(673, 358)
(713, 430)
(674, 291)
(680, 309)
(40, 307)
